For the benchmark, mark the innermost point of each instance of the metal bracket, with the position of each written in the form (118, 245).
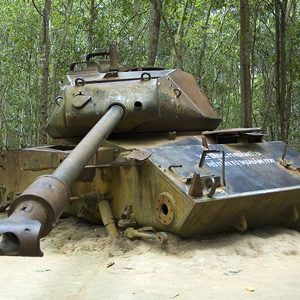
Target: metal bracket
(202, 160)
(145, 76)
(284, 151)
(127, 218)
(288, 164)
(200, 184)
(79, 81)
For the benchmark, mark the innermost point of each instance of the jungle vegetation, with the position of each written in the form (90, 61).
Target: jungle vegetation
(244, 55)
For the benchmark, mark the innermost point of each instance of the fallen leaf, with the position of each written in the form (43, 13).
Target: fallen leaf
(250, 289)
(175, 296)
(235, 272)
(109, 264)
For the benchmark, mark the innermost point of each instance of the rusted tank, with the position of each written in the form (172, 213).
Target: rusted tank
(164, 165)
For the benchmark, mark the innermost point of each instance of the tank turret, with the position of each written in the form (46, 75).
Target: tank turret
(154, 100)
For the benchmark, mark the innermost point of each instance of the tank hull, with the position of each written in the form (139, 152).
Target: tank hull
(151, 181)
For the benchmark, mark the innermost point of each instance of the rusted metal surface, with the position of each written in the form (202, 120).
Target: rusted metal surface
(2, 159)
(258, 191)
(147, 233)
(107, 218)
(154, 100)
(33, 214)
(25, 239)
(139, 155)
(72, 166)
(235, 135)
(45, 192)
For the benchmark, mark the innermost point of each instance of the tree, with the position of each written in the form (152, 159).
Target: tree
(45, 77)
(246, 101)
(177, 37)
(154, 27)
(280, 67)
(62, 45)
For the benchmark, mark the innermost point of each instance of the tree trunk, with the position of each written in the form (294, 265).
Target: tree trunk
(177, 57)
(181, 32)
(280, 67)
(62, 45)
(91, 33)
(137, 5)
(246, 101)
(154, 26)
(45, 77)
(253, 45)
(204, 44)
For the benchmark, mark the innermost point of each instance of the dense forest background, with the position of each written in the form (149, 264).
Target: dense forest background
(222, 43)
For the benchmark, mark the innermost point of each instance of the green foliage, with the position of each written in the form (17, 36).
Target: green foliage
(209, 49)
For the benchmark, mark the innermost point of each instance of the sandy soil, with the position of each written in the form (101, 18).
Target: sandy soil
(81, 262)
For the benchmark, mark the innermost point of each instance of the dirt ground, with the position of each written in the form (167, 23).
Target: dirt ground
(81, 262)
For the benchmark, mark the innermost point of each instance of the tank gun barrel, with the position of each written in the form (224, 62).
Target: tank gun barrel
(72, 166)
(34, 213)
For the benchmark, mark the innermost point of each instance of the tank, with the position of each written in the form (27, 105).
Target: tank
(139, 149)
